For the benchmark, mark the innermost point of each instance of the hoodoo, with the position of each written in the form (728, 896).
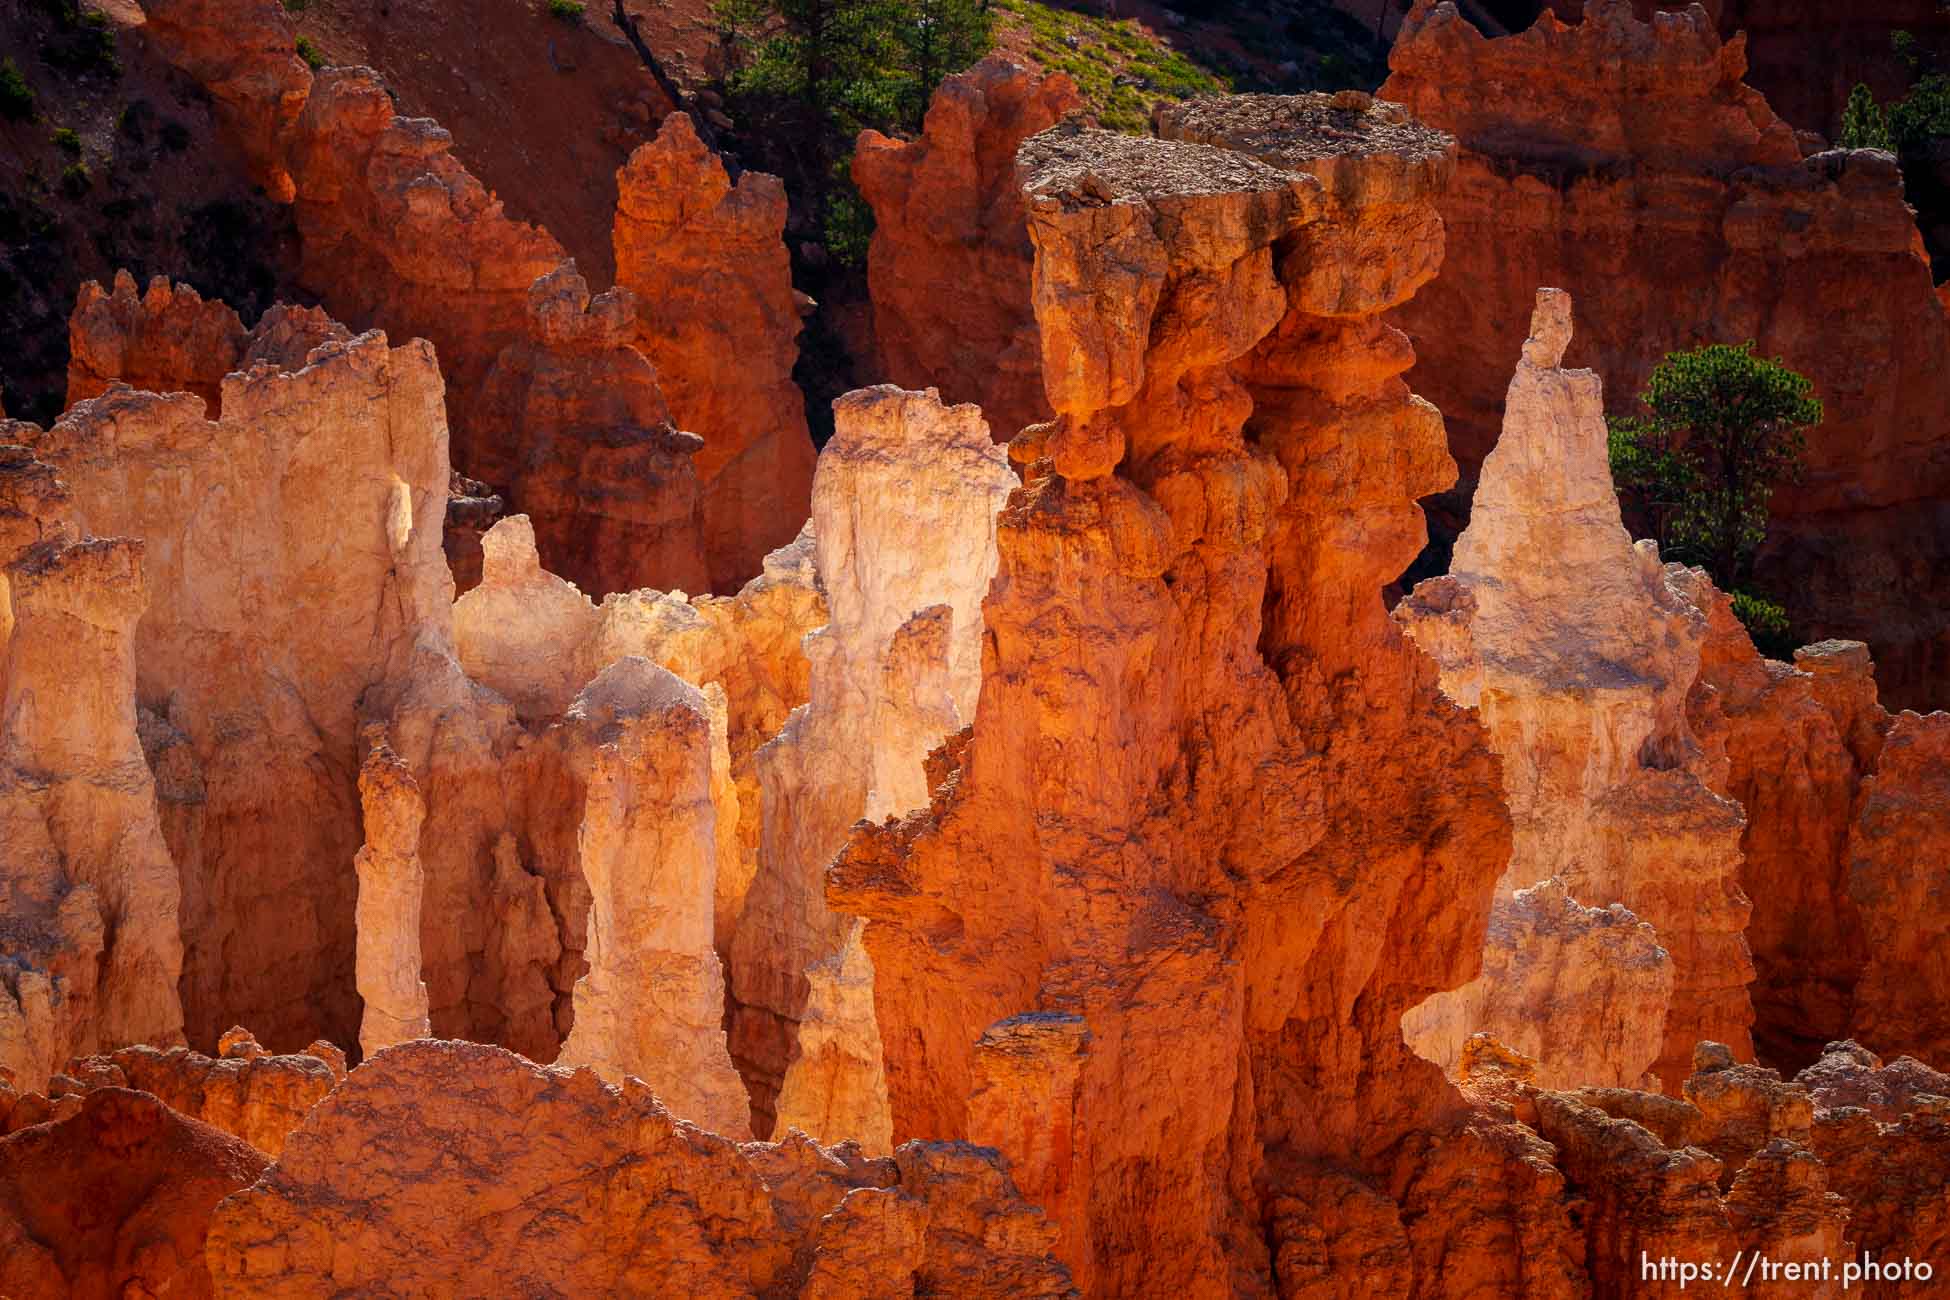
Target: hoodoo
(487, 808)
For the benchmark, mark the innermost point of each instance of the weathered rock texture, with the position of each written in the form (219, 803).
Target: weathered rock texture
(652, 1004)
(716, 315)
(1843, 829)
(292, 560)
(904, 505)
(243, 1090)
(1898, 879)
(1806, 56)
(166, 340)
(948, 267)
(504, 772)
(1579, 655)
(1627, 163)
(1583, 991)
(575, 428)
(90, 951)
(427, 1156)
(396, 233)
(114, 1200)
(1209, 782)
(391, 887)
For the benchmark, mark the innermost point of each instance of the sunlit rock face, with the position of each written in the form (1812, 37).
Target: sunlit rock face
(90, 951)
(949, 264)
(1579, 654)
(1626, 162)
(717, 317)
(507, 811)
(291, 555)
(652, 1004)
(1126, 941)
(904, 523)
(429, 1154)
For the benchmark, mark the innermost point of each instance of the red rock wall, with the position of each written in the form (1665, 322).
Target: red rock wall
(949, 264)
(716, 314)
(1628, 164)
(1807, 55)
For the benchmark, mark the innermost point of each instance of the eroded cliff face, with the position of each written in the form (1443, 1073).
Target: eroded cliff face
(165, 340)
(1184, 670)
(904, 505)
(792, 1219)
(717, 316)
(292, 561)
(1626, 162)
(577, 432)
(1579, 653)
(396, 233)
(949, 265)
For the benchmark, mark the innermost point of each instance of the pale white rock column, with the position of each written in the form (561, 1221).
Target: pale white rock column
(92, 951)
(905, 498)
(652, 1004)
(391, 887)
(1568, 639)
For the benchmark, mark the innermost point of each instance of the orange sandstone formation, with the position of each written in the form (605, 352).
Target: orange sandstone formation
(396, 232)
(391, 886)
(574, 427)
(504, 772)
(1579, 654)
(903, 526)
(1626, 162)
(293, 562)
(592, 1210)
(243, 52)
(948, 267)
(1209, 783)
(90, 953)
(717, 317)
(114, 1200)
(652, 1005)
(243, 1090)
(1896, 881)
(166, 340)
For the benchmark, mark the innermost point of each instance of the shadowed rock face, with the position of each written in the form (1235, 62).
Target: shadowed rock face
(396, 233)
(1805, 55)
(1627, 163)
(581, 438)
(949, 264)
(716, 315)
(114, 1200)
